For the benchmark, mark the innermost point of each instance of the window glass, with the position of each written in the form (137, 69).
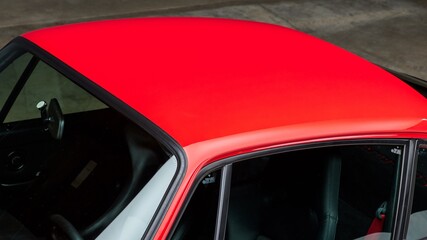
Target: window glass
(44, 84)
(329, 193)
(84, 176)
(11, 73)
(198, 220)
(417, 228)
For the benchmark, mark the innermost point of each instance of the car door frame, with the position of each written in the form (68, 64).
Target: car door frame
(405, 181)
(169, 143)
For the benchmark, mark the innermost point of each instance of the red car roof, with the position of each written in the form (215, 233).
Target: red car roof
(201, 79)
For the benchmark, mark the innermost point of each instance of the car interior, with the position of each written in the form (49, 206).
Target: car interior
(420, 198)
(87, 177)
(418, 218)
(69, 164)
(327, 193)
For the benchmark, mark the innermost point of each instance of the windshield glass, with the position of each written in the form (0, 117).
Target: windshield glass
(12, 66)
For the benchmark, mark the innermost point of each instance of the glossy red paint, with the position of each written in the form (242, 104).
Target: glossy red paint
(240, 144)
(226, 87)
(204, 79)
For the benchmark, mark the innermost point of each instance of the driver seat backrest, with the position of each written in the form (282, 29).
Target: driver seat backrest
(327, 209)
(309, 206)
(292, 202)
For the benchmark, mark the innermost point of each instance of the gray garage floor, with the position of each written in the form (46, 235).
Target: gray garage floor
(392, 33)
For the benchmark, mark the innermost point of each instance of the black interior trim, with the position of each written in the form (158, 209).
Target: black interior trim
(406, 191)
(162, 137)
(223, 202)
(10, 56)
(392, 204)
(299, 147)
(63, 227)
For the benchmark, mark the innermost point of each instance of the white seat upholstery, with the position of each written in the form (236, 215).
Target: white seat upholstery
(417, 228)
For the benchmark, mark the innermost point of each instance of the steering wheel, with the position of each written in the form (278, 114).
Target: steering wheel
(62, 229)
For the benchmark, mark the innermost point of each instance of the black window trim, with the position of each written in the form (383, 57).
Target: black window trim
(397, 231)
(416, 83)
(223, 202)
(406, 190)
(31, 65)
(166, 140)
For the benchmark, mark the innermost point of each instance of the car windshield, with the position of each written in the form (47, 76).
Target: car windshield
(68, 157)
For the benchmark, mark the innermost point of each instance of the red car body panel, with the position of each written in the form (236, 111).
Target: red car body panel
(225, 87)
(201, 79)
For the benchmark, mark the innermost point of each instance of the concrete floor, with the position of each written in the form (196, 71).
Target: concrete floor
(392, 33)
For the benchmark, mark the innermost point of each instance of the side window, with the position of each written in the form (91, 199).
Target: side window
(345, 192)
(417, 228)
(329, 193)
(83, 177)
(45, 84)
(11, 73)
(368, 190)
(198, 220)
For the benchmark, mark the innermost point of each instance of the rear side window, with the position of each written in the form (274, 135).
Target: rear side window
(343, 192)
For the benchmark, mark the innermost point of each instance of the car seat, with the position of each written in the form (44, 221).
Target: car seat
(298, 199)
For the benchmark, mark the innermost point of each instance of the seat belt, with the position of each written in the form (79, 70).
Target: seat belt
(378, 222)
